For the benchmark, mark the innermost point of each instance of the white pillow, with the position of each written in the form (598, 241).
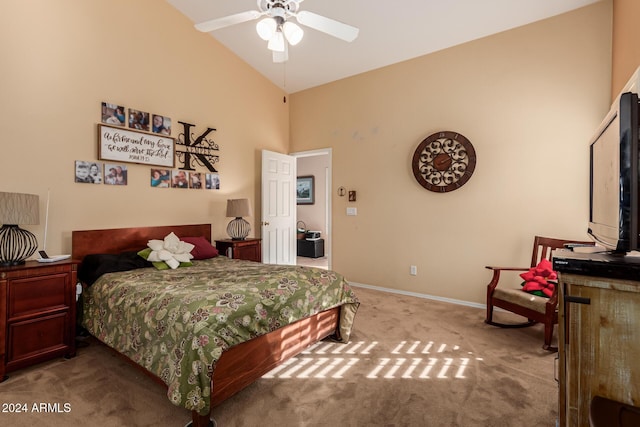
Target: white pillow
(171, 250)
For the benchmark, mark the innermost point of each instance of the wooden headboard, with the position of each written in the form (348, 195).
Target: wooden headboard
(115, 240)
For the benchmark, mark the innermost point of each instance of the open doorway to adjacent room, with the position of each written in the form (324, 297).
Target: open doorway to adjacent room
(314, 249)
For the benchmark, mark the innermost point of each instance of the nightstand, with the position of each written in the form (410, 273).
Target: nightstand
(37, 313)
(248, 249)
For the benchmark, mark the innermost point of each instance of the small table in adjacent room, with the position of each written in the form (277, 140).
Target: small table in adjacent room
(311, 248)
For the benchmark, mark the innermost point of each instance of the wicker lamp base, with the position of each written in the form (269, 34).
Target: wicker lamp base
(238, 229)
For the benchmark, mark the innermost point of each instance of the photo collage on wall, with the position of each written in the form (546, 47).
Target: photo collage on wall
(94, 172)
(113, 114)
(176, 178)
(99, 173)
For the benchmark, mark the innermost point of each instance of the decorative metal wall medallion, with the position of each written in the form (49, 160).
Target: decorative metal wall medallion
(444, 161)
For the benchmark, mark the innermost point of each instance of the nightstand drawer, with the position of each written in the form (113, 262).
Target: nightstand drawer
(37, 294)
(37, 337)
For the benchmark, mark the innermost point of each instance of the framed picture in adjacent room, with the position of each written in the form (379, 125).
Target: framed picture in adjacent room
(304, 190)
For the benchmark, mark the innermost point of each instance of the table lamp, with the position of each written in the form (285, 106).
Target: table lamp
(238, 228)
(16, 244)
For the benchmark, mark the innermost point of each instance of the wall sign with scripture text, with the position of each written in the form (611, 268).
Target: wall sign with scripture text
(130, 146)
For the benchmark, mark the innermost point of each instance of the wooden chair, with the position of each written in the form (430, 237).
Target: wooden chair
(534, 308)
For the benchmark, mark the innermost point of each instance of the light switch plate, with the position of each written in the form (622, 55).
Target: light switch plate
(352, 211)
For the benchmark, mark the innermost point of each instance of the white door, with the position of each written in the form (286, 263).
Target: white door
(278, 208)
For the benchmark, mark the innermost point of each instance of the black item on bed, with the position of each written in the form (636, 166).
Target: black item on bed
(95, 265)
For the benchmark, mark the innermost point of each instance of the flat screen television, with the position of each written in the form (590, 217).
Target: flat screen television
(614, 178)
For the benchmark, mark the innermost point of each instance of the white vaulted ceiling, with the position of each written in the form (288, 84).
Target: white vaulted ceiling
(390, 32)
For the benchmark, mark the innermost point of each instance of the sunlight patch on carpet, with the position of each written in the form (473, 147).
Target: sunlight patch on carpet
(326, 360)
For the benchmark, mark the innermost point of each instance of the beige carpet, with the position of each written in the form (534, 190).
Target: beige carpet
(411, 362)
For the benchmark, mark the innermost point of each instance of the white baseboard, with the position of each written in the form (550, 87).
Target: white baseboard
(425, 296)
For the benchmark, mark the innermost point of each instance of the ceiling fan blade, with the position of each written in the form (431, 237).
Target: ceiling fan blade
(327, 25)
(279, 57)
(227, 21)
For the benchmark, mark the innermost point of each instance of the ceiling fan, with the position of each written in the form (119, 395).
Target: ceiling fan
(277, 27)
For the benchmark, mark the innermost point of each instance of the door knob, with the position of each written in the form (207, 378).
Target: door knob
(265, 223)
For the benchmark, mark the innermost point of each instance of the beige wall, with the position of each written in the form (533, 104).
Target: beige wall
(61, 59)
(626, 48)
(528, 99)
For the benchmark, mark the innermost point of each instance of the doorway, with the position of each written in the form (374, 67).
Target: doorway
(315, 216)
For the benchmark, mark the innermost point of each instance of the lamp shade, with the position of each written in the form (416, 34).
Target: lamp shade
(238, 208)
(19, 208)
(238, 228)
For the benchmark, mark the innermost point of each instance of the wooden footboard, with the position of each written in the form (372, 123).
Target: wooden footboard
(245, 363)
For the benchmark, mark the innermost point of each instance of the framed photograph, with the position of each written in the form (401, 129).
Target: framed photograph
(115, 174)
(88, 172)
(138, 120)
(212, 181)
(161, 124)
(304, 190)
(160, 178)
(195, 180)
(113, 114)
(179, 179)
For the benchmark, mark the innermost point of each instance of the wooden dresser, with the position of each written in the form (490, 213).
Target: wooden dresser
(37, 313)
(599, 332)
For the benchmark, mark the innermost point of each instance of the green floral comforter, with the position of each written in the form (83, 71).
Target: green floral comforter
(177, 323)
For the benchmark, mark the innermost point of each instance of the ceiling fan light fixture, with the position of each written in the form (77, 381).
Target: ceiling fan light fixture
(266, 28)
(276, 43)
(280, 57)
(292, 32)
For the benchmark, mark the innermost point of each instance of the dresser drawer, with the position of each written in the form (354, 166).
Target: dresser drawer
(37, 337)
(37, 294)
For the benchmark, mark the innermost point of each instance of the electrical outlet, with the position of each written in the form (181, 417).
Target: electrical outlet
(413, 270)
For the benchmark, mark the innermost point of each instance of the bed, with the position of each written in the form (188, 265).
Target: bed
(207, 330)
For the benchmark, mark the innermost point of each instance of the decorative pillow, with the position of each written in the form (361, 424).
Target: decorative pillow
(540, 280)
(171, 252)
(202, 248)
(160, 265)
